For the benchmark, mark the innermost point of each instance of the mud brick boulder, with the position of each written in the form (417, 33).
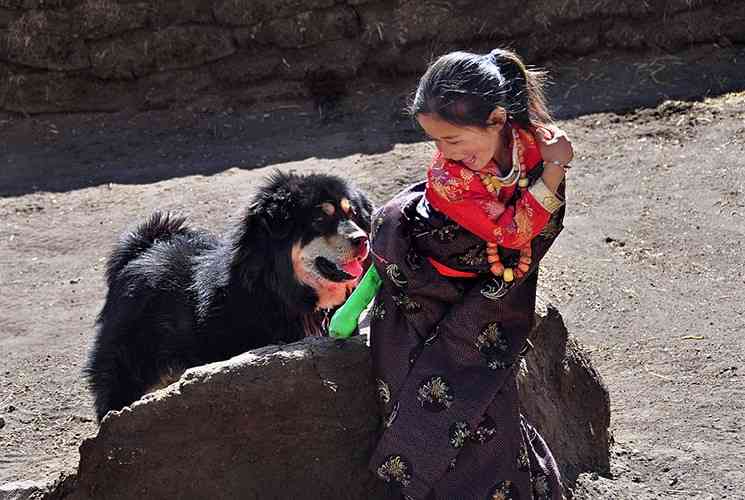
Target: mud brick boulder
(110, 55)
(297, 421)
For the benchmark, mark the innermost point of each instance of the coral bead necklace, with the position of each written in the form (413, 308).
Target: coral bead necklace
(493, 183)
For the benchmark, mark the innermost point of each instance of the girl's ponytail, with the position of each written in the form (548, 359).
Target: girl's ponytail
(526, 103)
(465, 88)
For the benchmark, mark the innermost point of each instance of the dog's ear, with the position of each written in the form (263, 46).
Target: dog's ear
(273, 211)
(266, 221)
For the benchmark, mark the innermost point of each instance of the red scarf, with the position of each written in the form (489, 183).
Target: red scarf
(460, 193)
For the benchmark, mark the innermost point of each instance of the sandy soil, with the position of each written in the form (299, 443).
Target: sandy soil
(649, 273)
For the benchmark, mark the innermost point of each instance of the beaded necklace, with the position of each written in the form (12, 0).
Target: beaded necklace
(493, 183)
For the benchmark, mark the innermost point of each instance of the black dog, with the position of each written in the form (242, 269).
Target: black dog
(179, 297)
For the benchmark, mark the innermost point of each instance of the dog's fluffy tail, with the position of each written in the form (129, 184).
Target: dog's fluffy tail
(159, 227)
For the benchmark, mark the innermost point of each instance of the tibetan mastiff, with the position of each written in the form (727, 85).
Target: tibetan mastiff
(179, 297)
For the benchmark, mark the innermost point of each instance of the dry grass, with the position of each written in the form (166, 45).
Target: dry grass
(97, 13)
(23, 32)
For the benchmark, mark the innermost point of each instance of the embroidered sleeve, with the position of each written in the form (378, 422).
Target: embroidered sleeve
(520, 223)
(545, 197)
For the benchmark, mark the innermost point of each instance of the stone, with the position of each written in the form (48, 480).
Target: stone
(248, 67)
(309, 28)
(44, 40)
(105, 42)
(97, 19)
(142, 53)
(565, 398)
(590, 487)
(299, 420)
(249, 12)
(173, 88)
(295, 421)
(21, 490)
(54, 489)
(34, 92)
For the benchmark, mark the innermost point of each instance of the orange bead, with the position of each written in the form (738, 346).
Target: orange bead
(523, 267)
(497, 269)
(492, 258)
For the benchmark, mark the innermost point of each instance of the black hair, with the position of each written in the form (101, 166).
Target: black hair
(464, 88)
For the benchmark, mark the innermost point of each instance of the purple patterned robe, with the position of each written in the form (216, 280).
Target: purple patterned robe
(445, 357)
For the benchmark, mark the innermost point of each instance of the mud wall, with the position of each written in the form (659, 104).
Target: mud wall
(107, 55)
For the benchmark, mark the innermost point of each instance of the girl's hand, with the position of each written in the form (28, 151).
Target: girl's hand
(556, 151)
(555, 147)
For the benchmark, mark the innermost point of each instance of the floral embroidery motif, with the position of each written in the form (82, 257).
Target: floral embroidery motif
(384, 391)
(396, 469)
(417, 227)
(495, 289)
(391, 416)
(494, 347)
(474, 257)
(520, 229)
(396, 276)
(377, 312)
(552, 229)
(492, 208)
(484, 432)
(523, 463)
(446, 233)
(460, 432)
(541, 488)
(407, 304)
(434, 394)
(413, 260)
(504, 490)
(452, 188)
(524, 222)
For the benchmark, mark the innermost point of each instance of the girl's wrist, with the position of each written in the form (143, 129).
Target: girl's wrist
(552, 176)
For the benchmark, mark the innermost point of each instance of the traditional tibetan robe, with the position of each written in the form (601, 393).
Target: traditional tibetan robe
(446, 350)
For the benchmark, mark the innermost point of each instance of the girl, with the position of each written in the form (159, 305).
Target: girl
(454, 274)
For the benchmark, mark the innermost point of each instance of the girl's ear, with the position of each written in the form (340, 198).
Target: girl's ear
(497, 118)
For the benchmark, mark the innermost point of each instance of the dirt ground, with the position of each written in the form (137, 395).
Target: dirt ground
(648, 274)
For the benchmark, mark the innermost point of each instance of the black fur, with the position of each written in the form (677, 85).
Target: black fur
(180, 297)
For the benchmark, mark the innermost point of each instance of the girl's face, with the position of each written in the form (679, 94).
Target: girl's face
(472, 146)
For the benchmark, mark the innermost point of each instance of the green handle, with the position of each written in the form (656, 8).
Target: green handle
(344, 321)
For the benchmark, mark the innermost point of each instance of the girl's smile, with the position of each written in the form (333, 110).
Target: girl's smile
(475, 147)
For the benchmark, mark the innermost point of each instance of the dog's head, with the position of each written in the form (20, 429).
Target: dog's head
(307, 236)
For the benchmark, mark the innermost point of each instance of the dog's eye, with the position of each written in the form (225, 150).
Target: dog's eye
(327, 208)
(345, 205)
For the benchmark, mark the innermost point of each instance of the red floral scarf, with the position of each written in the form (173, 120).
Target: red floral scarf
(464, 195)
